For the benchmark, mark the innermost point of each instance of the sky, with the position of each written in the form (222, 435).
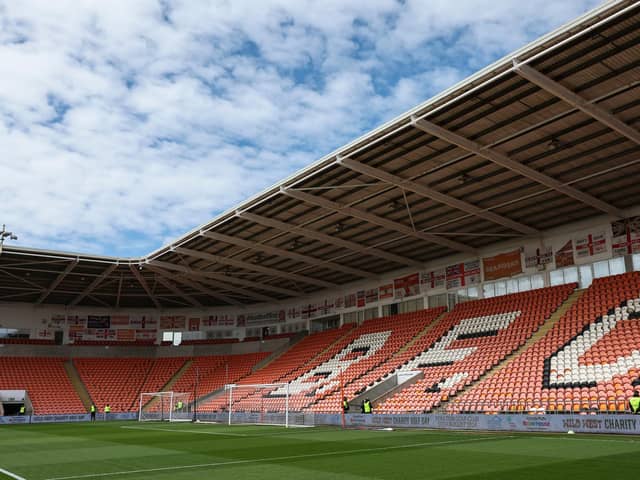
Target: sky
(124, 124)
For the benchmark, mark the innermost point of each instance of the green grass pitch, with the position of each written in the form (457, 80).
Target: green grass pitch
(130, 450)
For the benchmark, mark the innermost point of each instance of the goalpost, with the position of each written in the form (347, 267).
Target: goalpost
(259, 404)
(165, 406)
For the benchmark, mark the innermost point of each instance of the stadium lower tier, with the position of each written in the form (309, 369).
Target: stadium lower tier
(46, 382)
(502, 354)
(588, 361)
(319, 383)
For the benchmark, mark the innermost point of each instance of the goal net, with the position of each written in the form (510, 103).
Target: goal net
(166, 406)
(263, 404)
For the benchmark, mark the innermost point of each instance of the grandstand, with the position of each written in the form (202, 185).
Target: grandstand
(472, 264)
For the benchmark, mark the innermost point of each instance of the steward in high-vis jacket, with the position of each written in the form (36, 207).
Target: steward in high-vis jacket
(367, 408)
(345, 405)
(22, 410)
(107, 411)
(92, 410)
(634, 403)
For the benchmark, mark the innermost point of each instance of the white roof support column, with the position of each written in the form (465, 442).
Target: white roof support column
(119, 294)
(253, 267)
(432, 194)
(145, 286)
(227, 281)
(280, 252)
(92, 286)
(575, 100)
(193, 284)
(510, 164)
(173, 288)
(383, 222)
(57, 282)
(328, 239)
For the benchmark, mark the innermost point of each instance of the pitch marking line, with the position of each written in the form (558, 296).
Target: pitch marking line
(272, 459)
(12, 475)
(187, 431)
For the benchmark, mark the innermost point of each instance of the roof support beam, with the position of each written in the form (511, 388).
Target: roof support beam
(250, 266)
(435, 195)
(280, 252)
(226, 281)
(145, 286)
(194, 285)
(510, 164)
(328, 239)
(91, 287)
(119, 294)
(575, 100)
(173, 288)
(56, 282)
(383, 222)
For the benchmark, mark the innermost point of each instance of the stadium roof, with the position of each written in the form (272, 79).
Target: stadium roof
(546, 136)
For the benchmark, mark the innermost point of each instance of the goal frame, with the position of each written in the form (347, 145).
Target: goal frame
(231, 386)
(172, 397)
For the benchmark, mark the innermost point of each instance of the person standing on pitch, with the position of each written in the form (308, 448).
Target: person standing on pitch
(634, 403)
(92, 410)
(107, 411)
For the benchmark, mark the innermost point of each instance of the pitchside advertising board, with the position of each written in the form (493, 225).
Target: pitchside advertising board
(619, 423)
(623, 424)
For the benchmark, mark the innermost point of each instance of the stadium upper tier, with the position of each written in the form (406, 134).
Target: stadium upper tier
(544, 137)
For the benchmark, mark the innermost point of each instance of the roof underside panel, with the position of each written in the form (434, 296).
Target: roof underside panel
(500, 157)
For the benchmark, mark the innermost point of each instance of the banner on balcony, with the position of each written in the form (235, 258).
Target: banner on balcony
(408, 286)
(537, 257)
(386, 291)
(76, 321)
(350, 300)
(194, 324)
(360, 302)
(119, 320)
(371, 295)
(503, 265)
(309, 311)
(590, 245)
(463, 274)
(434, 279)
(143, 322)
(265, 318)
(325, 308)
(99, 321)
(626, 236)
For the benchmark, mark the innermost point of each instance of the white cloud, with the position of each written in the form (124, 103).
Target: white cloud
(125, 123)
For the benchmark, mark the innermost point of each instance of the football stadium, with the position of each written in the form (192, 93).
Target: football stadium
(455, 294)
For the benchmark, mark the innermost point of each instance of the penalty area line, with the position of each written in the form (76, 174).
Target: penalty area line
(186, 431)
(272, 459)
(11, 474)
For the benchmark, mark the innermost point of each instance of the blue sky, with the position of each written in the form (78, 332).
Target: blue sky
(124, 124)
